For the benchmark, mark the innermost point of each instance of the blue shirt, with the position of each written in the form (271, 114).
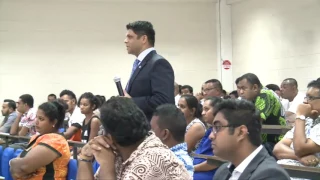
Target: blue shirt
(204, 148)
(180, 150)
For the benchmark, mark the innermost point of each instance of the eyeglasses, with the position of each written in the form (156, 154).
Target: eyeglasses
(217, 128)
(311, 98)
(209, 89)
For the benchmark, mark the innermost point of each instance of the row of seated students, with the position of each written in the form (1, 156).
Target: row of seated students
(81, 120)
(196, 138)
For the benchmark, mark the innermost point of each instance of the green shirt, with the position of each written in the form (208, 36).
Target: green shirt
(270, 111)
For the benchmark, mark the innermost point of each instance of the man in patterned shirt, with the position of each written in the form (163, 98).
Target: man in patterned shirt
(128, 150)
(169, 124)
(250, 88)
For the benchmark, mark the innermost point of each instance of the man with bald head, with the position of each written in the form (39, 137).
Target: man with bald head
(289, 90)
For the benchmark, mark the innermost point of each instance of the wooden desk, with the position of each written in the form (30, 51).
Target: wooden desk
(275, 129)
(303, 172)
(293, 171)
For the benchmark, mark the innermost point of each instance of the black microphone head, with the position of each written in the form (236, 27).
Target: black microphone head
(116, 79)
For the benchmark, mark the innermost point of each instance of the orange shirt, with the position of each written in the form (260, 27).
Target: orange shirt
(58, 169)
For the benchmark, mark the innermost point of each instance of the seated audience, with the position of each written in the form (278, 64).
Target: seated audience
(250, 88)
(73, 116)
(129, 150)
(275, 88)
(301, 145)
(47, 155)
(199, 95)
(88, 103)
(169, 125)
(234, 95)
(196, 129)
(213, 88)
(224, 92)
(24, 125)
(203, 170)
(235, 136)
(289, 91)
(186, 89)
(9, 112)
(52, 97)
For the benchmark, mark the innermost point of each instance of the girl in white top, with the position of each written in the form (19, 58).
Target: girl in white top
(196, 129)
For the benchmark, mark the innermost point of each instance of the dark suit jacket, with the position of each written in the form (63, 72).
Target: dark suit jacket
(262, 167)
(152, 83)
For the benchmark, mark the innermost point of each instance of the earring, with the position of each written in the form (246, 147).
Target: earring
(53, 125)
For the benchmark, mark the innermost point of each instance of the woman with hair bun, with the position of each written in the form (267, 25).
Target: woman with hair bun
(47, 155)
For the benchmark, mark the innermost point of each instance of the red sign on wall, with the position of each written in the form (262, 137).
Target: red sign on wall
(226, 64)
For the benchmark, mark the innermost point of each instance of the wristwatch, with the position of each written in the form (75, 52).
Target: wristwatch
(301, 117)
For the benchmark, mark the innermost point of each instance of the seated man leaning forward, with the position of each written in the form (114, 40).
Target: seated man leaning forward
(128, 150)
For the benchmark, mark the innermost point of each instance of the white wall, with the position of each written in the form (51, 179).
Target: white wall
(277, 39)
(50, 45)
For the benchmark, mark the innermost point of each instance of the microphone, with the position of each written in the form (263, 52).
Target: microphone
(117, 80)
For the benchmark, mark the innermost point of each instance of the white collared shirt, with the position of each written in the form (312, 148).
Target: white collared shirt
(243, 165)
(144, 53)
(176, 99)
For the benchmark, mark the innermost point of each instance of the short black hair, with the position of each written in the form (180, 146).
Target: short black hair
(315, 84)
(94, 101)
(273, 87)
(143, 28)
(242, 112)
(28, 99)
(52, 95)
(216, 82)
(213, 100)
(192, 102)
(187, 87)
(69, 93)
(124, 121)
(55, 110)
(251, 78)
(11, 103)
(291, 81)
(180, 86)
(224, 91)
(235, 93)
(172, 118)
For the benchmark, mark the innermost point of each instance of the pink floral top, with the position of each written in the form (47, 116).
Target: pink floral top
(28, 120)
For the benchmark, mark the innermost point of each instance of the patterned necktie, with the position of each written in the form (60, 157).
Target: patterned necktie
(134, 67)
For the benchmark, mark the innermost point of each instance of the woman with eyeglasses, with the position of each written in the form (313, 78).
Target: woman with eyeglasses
(203, 170)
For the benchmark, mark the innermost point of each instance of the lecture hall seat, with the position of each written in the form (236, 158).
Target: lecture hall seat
(1, 150)
(17, 153)
(72, 169)
(7, 155)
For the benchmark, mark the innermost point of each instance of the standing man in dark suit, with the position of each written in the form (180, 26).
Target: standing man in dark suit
(236, 137)
(152, 78)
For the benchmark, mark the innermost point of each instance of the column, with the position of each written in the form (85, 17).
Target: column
(224, 45)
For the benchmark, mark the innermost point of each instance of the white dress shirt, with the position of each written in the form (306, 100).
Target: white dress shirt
(293, 105)
(144, 53)
(178, 96)
(243, 165)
